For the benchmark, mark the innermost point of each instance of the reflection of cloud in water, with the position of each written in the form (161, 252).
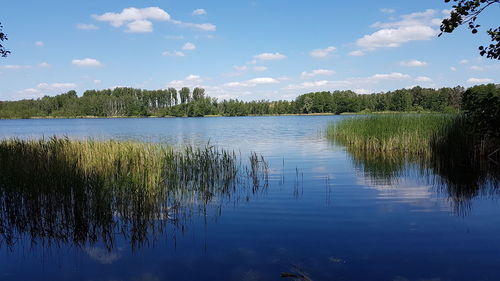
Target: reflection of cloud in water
(405, 190)
(101, 255)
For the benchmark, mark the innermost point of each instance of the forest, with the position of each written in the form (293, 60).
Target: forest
(130, 102)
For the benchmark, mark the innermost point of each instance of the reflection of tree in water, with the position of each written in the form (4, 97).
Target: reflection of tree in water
(51, 199)
(462, 177)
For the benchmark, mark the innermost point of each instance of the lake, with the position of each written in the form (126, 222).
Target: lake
(320, 211)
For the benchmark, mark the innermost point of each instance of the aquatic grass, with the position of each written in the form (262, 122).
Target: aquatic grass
(401, 133)
(59, 189)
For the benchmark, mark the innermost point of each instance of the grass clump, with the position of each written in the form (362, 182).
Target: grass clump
(407, 134)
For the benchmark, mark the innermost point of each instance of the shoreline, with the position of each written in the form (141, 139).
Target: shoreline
(211, 116)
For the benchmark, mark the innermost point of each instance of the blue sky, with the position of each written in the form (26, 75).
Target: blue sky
(272, 49)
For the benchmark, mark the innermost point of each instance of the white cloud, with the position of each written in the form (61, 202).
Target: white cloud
(43, 89)
(140, 26)
(39, 44)
(86, 62)
(263, 80)
(252, 82)
(387, 10)
(133, 14)
(389, 76)
(173, 54)
(452, 68)
(357, 53)
(199, 12)
(43, 64)
(464, 61)
(84, 26)
(189, 81)
(306, 85)
(362, 91)
(201, 26)
(260, 68)
(14, 66)
(413, 63)
(97, 81)
(193, 77)
(140, 20)
(477, 68)
(317, 72)
(423, 79)
(269, 56)
(411, 27)
(479, 80)
(351, 82)
(189, 46)
(322, 53)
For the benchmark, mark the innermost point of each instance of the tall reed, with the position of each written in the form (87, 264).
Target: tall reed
(83, 191)
(400, 133)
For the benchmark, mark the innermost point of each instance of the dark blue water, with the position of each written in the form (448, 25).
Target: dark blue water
(323, 214)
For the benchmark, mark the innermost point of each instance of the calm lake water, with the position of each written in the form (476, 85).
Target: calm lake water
(324, 213)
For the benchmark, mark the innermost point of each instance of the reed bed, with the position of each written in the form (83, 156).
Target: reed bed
(401, 133)
(81, 191)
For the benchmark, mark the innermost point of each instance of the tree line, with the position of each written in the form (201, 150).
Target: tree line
(130, 102)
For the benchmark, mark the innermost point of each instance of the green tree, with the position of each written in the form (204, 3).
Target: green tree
(466, 12)
(3, 37)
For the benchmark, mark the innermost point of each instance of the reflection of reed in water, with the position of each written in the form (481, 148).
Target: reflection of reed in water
(461, 177)
(439, 147)
(82, 192)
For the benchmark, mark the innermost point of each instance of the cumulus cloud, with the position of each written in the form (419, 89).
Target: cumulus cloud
(140, 26)
(351, 82)
(39, 44)
(413, 63)
(43, 89)
(43, 64)
(452, 68)
(362, 91)
(199, 12)
(479, 80)
(316, 72)
(269, 56)
(464, 61)
(140, 20)
(423, 79)
(189, 46)
(191, 80)
(253, 82)
(411, 27)
(322, 53)
(86, 62)
(84, 26)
